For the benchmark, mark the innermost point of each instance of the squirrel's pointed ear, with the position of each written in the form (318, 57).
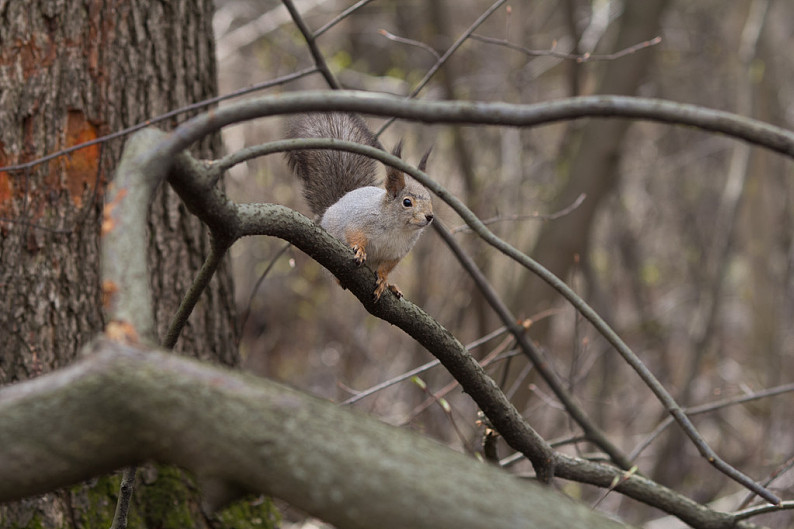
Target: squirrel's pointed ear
(395, 179)
(398, 149)
(423, 161)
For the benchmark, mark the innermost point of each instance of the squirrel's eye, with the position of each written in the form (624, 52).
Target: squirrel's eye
(407, 202)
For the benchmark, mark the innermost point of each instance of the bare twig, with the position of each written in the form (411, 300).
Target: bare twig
(457, 44)
(776, 473)
(534, 216)
(158, 119)
(311, 41)
(444, 405)
(230, 43)
(410, 42)
(709, 407)
(444, 58)
(763, 509)
(499, 353)
(416, 371)
(247, 313)
(179, 319)
(552, 52)
(753, 131)
(341, 16)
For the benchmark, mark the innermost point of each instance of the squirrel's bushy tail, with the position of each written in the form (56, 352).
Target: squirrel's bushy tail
(328, 175)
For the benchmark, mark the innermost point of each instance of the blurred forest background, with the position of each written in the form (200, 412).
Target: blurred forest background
(683, 241)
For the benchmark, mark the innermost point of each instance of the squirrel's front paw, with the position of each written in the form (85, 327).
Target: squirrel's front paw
(361, 255)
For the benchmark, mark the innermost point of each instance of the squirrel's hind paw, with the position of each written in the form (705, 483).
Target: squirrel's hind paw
(381, 287)
(396, 291)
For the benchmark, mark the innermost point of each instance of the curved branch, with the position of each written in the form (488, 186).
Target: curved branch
(122, 405)
(124, 271)
(472, 113)
(643, 489)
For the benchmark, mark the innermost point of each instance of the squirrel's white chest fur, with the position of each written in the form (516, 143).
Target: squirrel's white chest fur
(388, 238)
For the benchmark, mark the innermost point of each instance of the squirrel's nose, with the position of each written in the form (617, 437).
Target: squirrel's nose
(429, 217)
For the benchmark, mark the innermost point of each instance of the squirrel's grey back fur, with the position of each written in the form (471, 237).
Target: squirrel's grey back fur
(328, 175)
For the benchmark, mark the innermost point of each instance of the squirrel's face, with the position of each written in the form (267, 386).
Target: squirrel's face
(417, 208)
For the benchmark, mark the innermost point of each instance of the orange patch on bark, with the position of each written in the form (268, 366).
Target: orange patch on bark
(121, 331)
(80, 167)
(6, 192)
(108, 223)
(109, 289)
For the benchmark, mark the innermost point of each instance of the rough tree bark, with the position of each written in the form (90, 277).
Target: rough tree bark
(71, 72)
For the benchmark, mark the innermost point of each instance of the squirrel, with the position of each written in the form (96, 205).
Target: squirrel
(380, 224)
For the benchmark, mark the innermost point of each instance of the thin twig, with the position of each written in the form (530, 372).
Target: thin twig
(450, 387)
(443, 59)
(585, 57)
(496, 355)
(259, 281)
(776, 473)
(762, 509)
(311, 41)
(457, 44)
(410, 42)
(341, 16)
(514, 458)
(160, 118)
(180, 317)
(534, 216)
(712, 406)
(416, 371)
(444, 405)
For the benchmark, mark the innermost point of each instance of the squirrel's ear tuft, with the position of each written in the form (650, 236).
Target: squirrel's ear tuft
(423, 162)
(398, 149)
(395, 179)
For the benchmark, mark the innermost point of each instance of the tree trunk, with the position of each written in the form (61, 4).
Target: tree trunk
(71, 72)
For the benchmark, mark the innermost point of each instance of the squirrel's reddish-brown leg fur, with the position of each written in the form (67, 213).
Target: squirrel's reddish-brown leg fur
(383, 272)
(358, 242)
